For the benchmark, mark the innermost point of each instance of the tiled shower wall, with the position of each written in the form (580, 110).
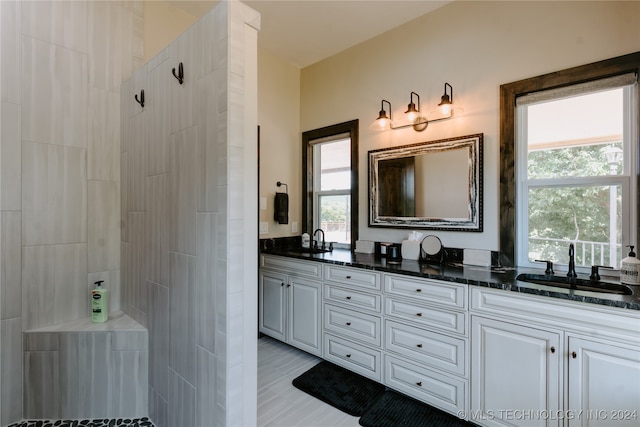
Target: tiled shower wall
(189, 218)
(62, 63)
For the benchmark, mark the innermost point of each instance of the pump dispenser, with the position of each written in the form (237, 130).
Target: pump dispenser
(630, 269)
(99, 298)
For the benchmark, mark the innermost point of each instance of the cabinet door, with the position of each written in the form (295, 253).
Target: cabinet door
(271, 304)
(305, 297)
(515, 371)
(604, 383)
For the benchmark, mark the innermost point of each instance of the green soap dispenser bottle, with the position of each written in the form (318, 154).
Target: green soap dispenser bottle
(99, 298)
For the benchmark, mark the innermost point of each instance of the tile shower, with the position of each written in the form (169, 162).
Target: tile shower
(159, 208)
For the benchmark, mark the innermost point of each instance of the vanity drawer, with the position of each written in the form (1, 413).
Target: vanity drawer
(434, 291)
(439, 390)
(353, 277)
(429, 316)
(357, 358)
(352, 324)
(353, 298)
(438, 351)
(292, 266)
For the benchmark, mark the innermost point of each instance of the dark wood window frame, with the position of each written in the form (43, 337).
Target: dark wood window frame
(508, 93)
(350, 127)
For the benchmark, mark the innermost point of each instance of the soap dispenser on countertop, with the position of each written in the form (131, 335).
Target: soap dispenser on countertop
(99, 306)
(630, 269)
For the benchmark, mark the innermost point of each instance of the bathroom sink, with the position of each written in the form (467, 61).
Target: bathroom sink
(576, 284)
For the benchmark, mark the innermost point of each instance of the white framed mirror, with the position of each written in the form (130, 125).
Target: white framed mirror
(434, 185)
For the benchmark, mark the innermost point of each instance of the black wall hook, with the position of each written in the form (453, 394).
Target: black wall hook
(180, 75)
(141, 100)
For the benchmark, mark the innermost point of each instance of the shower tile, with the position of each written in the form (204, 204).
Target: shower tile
(85, 372)
(41, 384)
(128, 384)
(110, 44)
(208, 145)
(41, 341)
(53, 284)
(124, 197)
(158, 409)
(61, 23)
(10, 51)
(158, 213)
(182, 402)
(205, 280)
(103, 220)
(159, 339)
(137, 163)
(54, 94)
(54, 194)
(10, 262)
(157, 130)
(10, 157)
(11, 370)
(182, 316)
(182, 190)
(205, 388)
(103, 147)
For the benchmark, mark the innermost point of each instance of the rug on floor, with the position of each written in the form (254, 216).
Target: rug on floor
(339, 387)
(99, 422)
(397, 410)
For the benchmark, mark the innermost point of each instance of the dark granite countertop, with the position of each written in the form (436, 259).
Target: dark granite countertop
(497, 278)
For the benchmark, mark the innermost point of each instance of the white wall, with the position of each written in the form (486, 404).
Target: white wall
(476, 47)
(280, 140)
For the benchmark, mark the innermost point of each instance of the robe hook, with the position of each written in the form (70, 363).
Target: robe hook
(141, 100)
(180, 75)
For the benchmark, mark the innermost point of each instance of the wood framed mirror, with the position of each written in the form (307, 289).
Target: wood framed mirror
(434, 185)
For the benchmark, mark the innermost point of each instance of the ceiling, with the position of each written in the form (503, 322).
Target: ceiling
(302, 32)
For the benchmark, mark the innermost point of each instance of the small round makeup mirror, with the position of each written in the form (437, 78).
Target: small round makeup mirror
(431, 249)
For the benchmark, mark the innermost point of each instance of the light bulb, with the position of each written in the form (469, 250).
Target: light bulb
(445, 109)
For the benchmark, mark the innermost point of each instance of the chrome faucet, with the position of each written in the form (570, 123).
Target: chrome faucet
(572, 263)
(314, 235)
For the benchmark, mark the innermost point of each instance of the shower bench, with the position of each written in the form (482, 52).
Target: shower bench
(81, 369)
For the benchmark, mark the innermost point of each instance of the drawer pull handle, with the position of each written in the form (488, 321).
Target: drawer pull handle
(282, 284)
(574, 354)
(348, 277)
(348, 355)
(348, 297)
(348, 323)
(418, 290)
(419, 314)
(419, 383)
(419, 345)
(288, 286)
(553, 350)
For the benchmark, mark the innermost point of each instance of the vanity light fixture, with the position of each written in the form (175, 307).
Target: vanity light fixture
(413, 117)
(446, 101)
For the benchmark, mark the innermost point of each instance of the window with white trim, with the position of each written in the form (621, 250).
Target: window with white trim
(575, 151)
(332, 188)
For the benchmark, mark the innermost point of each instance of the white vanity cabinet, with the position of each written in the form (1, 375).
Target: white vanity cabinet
(426, 340)
(604, 382)
(533, 357)
(289, 299)
(352, 325)
(514, 367)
